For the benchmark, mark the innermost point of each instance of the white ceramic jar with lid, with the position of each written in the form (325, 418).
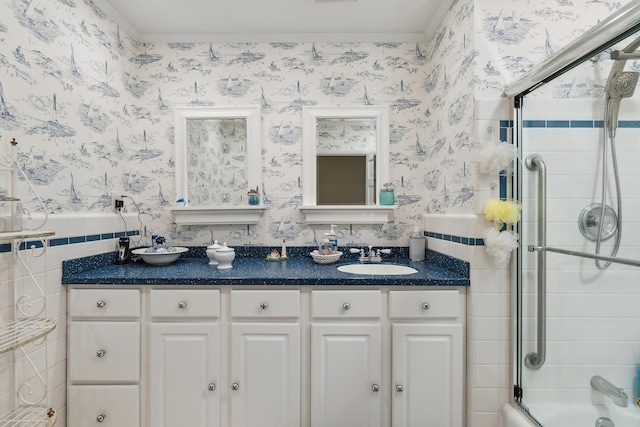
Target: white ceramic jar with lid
(225, 256)
(211, 252)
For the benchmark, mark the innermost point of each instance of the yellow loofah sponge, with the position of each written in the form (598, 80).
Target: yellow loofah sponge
(502, 212)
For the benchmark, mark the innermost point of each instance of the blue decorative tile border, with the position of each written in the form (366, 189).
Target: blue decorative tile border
(63, 241)
(468, 241)
(564, 124)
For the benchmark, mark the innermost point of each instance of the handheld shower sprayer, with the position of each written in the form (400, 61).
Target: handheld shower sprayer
(620, 84)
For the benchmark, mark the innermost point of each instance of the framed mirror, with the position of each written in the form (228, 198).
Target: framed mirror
(218, 161)
(345, 163)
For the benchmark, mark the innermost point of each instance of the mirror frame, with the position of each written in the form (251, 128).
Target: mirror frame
(217, 214)
(347, 214)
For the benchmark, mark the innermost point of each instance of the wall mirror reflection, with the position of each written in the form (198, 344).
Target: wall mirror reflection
(345, 161)
(345, 155)
(218, 155)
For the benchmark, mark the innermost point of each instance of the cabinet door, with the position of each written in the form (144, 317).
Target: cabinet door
(427, 368)
(184, 374)
(265, 375)
(345, 375)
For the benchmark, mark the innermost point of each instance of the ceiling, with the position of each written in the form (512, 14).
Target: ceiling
(190, 21)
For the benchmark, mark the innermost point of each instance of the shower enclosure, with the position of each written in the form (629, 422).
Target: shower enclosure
(577, 295)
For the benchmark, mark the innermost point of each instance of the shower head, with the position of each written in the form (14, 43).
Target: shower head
(620, 85)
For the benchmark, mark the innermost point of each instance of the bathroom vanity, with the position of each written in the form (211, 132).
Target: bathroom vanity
(333, 349)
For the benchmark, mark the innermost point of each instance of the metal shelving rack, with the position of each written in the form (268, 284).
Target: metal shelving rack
(30, 324)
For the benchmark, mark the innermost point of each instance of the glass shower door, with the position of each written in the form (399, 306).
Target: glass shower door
(591, 312)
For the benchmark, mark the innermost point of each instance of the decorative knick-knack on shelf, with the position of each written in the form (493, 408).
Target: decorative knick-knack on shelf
(254, 197)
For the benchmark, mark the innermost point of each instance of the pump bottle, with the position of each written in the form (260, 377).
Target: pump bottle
(417, 245)
(333, 239)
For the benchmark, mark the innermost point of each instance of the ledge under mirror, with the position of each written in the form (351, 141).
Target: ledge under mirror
(345, 164)
(218, 165)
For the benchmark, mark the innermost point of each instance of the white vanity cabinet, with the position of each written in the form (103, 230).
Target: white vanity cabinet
(184, 358)
(427, 357)
(104, 358)
(265, 356)
(346, 358)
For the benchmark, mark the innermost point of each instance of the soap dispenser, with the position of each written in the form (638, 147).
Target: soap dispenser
(417, 245)
(333, 239)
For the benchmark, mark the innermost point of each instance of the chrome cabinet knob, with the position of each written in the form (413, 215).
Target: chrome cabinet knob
(375, 387)
(211, 387)
(101, 353)
(426, 306)
(101, 304)
(100, 418)
(346, 306)
(400, 388)
(264, 305)
(182, 305)
(235, 386)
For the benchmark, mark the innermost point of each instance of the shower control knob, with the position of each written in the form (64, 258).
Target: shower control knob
(211, 387)
(264, 305)
(182, 305)
(346, 306)
(100, 418)
(101, 304)
(399, 388)
(426, 306)
(375, 387)
(101, 353)
(235, 386)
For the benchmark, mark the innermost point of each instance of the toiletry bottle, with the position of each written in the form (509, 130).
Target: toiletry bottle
(325, 247)
(333, 239)
(417, 245)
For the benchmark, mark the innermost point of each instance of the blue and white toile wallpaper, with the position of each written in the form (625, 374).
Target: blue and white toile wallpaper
(95, 108)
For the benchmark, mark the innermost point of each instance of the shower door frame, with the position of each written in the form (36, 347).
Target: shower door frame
(593, 46)
(611, 30)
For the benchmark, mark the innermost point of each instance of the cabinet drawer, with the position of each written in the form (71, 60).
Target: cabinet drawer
(104, 352)
(105, 406)
(346, 304)
(261, 304)
(104, 303)
(424, 304)
(185, 303)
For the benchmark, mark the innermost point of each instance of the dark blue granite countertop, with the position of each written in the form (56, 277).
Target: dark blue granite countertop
(298, 270)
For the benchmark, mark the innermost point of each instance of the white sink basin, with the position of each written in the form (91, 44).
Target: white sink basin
(377, 269)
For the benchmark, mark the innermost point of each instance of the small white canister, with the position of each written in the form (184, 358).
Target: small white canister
(225, 256)
(10, 214)
(211, 252)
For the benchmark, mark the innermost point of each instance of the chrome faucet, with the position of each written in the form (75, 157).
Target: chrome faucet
(616, 394)
(372, 257)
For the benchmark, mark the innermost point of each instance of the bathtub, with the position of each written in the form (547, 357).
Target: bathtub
(570, 415)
